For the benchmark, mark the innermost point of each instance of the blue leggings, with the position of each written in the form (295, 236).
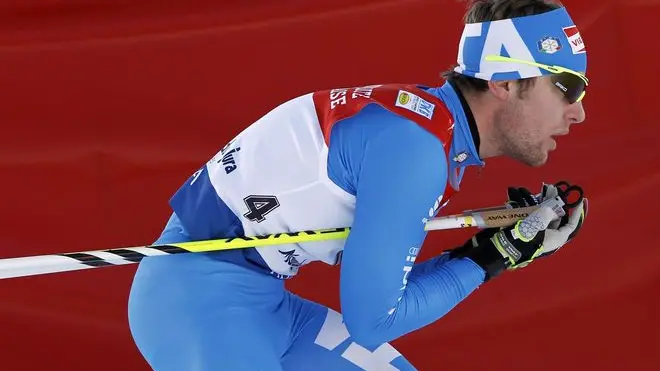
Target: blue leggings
(195, 313)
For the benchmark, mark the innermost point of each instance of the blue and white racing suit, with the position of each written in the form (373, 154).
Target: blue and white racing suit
(376, 158)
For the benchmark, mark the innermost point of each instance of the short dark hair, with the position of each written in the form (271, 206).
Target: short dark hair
(493, 10)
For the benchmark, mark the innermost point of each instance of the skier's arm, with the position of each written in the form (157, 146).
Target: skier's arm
(402, 173)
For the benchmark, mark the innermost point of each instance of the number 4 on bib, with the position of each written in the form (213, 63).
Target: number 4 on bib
(259, 207)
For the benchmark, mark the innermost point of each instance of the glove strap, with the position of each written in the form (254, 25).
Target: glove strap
(487, 257)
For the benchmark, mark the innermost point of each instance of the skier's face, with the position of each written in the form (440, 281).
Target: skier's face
(529, 121)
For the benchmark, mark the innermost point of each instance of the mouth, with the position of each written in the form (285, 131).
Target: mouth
(556, 135)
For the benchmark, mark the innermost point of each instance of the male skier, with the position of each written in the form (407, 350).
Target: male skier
(375, 158)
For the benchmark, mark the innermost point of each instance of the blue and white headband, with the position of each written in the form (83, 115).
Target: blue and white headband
(549, 38)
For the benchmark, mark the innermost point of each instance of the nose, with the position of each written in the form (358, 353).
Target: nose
(575, 113)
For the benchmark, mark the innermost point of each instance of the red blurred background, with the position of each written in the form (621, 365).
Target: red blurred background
(106, 106)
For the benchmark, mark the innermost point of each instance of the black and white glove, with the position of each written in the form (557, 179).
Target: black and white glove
(517, 197)
(541, 233)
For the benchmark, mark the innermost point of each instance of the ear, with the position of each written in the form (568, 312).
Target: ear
(501, 89)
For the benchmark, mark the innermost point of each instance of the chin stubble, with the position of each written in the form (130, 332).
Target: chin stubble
(513, 142)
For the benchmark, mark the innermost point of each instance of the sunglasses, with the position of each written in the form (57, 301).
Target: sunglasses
(571, 83)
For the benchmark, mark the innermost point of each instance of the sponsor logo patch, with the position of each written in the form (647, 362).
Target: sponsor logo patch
(415, 104)
(574, 39)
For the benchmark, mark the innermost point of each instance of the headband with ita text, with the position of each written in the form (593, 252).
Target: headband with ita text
(550, 39)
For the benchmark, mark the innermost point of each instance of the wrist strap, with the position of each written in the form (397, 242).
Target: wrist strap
(487, 257)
